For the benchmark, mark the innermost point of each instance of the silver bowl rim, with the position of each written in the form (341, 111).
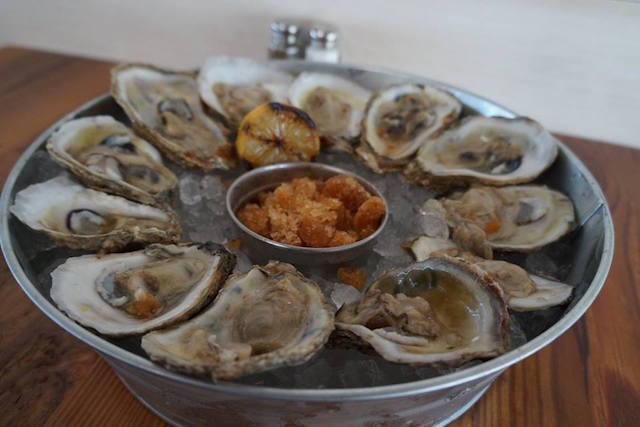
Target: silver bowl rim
(484, 369)
(263, 170)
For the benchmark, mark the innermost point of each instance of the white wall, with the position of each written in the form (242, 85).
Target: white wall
(572, 65)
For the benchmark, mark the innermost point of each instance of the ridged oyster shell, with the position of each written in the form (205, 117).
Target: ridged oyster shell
(232, 87)
(522, 291)
(399, 119)
(82, 218)
(439, 311)
(519, 218)
(335, 104)
(487, 150)
(271, 316)
(106, 155)
(135, 292)
(165, 108)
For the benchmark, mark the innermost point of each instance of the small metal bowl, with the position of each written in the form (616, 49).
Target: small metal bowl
(246, 188)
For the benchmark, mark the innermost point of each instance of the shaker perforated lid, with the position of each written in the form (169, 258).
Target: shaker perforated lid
(323, 35)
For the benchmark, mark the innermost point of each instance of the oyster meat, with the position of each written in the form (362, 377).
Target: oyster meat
(398, 120)
(515, 218)
(522, 291)
(135, 292)
(106, 155)
(81, 218)
(165, 108)
(442, 310)
(489, 150)
(335, 104)
(266, 318)
(232, 87)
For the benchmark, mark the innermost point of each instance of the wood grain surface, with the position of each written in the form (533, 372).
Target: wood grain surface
(589, 376)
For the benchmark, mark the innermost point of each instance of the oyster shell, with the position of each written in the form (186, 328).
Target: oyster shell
(522, 291)
(104, 154)
(516, 218)
(336, 105)
(266, 318)
(81, 218)
(442, 310)
(232, 87)
(398, 120)
(488, 150)
(165, 108)
(135, 292)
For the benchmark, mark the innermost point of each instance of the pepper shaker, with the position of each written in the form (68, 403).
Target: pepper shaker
(285, 40)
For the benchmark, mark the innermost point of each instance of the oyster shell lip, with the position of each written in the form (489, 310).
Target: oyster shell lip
(357, 98)
(549, 293)
(382, 163)
(540, 154)
(158, 352)
(101, 182)
(28, 204)
(238, 70)
(172, 150)
(492, 342)
(198, 297)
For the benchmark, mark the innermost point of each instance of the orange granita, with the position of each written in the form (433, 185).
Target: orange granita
(254, 217)
(368, 217)
(312, 213)
(352, 276)
(346, 189)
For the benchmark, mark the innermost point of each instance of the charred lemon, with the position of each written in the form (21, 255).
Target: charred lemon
(276, 133)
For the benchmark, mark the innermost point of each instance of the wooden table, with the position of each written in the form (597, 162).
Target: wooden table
(589, 376)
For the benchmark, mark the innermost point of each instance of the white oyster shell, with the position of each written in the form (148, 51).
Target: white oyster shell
(336, 105)
(245, 84)
(489, 150)
(82, 218)
(442, 310)
(106, 155)
(398, 120)
(269, 317)
(164, 107)
(519, 218)
(178, 279)
(522, 291)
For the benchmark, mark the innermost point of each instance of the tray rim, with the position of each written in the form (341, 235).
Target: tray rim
(491, 367)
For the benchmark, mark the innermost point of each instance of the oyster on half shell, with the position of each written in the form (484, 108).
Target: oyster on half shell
(165, 108)
(81, 218)
(336, 105)
(522, 291)
(232, 87)
(519, 218)
(106, 155)
(442, 310)
(269, 317)
(488, 150)
(399, 119)
(135, 292)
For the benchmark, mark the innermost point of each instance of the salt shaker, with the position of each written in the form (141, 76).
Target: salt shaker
(323, 44)
(285, 41)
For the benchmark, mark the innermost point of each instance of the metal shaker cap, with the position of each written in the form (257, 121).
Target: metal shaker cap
(284, 27)
(323, 35)
(284, 39)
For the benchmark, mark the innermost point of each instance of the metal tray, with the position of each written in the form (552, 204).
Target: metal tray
(585, 257)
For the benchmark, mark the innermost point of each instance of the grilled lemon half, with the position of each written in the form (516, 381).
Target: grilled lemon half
(277, 133)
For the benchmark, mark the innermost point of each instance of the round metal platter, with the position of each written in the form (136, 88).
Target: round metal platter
(585, 256)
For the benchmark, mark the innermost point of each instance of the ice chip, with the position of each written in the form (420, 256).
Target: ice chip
(190, 192)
